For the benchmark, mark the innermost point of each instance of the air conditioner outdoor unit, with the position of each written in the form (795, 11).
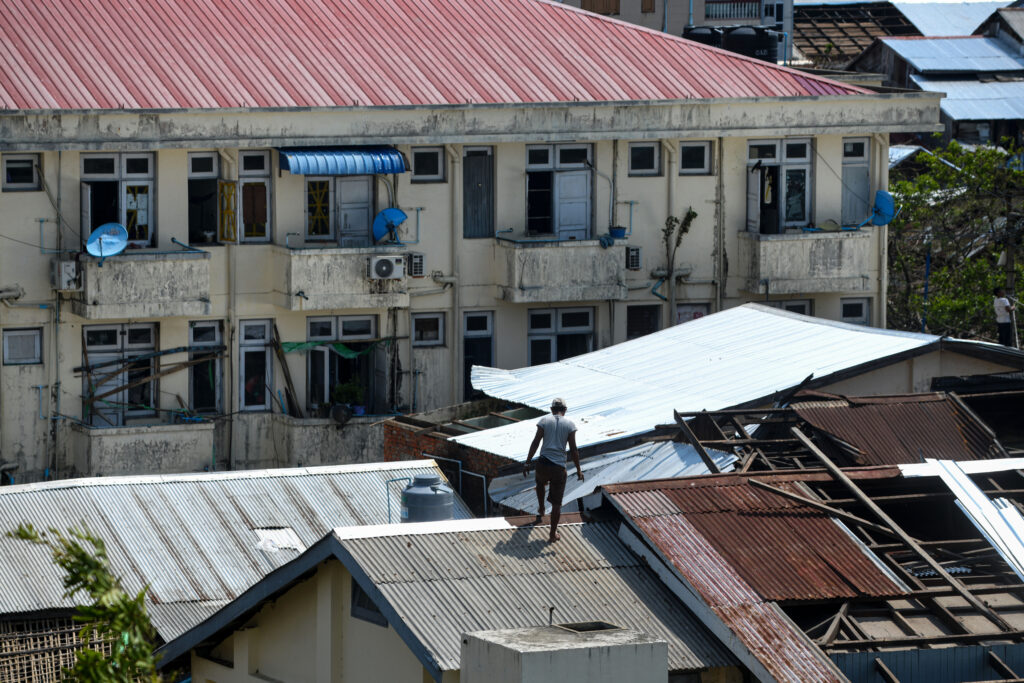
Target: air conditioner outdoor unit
(386, 267)
(64, 276)
(633, 260)
(417, 264)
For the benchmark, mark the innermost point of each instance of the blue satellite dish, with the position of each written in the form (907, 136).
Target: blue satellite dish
(884, 210)
(107, 240)
(385, 224)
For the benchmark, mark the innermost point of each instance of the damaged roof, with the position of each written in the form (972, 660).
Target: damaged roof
(740, 356)
(197, 540)
(435, 581)
(206, 54)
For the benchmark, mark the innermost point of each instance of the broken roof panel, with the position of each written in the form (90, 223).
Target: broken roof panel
(206, 54)
(191, 538)
(733, 357)
(892, 430)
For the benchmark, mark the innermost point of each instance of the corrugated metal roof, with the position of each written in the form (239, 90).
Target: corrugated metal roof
(1014, 18)
(725, 359)
(664, 460)
(973, 54)
(206, 54)
(455, 580)
(761, 627)
(782, 549)
(358, 160)
(974, 100)
(903, 429)
(947, 18)
(190, 537)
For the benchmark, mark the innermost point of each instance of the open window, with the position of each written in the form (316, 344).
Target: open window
(340, 208)
(120, 364)
(119, 188)
(205, 372)
(255, 367)
(558, 191)
(856, 180)
(779, 184)
(203, 181)
(347, 365)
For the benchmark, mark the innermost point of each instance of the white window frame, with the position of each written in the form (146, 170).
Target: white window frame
(204, 175)
(790, 160)
(440, 341)
(784, 163)
(372, 334)
(806, 304)
(438, 177)
(656, 170)
(124, 180)
(553, 312)
(132, 156)
(549, 165)
(703, 170)
(589, 327)
(857, 159)
(864, 318)
(487, 315)
(35, 161)
(218, 378)
(552, 334)
(115, 175)
(568, 166)
(751, 144)
(36, 333)
(251, 345)
(254, 173)
(124, 348)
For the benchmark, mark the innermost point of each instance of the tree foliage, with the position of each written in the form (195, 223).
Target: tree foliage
(111, 616)
(962, 210)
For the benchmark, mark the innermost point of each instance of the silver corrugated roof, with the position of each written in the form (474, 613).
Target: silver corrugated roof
(973, 54)
(460, 578)
(725, 359)
(947, 18)
(644, 462)
(974, 100)
(190, 537)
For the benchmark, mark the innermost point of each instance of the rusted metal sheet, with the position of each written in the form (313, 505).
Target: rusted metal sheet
(903, 429)
(207, 54)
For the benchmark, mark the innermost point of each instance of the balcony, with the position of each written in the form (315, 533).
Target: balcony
(144, 285)
(329, 278)
(805, 263)
(145, 449)
(548, 272)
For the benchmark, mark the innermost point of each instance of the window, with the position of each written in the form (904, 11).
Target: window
(559, 333)
(204, 396)
(21, 172)
(558, 191)
(801, 306)
(642, 320)
(477, 347)
(856, 311)
(348, 356)
(23, 347)
(778, 184)
(695, 158)
(856, 181)
(428, 329)
(254, 196)
(428, 164)
(119, 380)
(203, 175)
(119, 188)
(364, 608)
(340, 209)
(601, 6)
(644, 158)
(255, 368)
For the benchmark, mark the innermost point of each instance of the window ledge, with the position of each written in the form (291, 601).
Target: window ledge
(148, 255)
(139, 429)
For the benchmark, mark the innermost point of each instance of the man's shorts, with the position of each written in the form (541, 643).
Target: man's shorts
(548, 473)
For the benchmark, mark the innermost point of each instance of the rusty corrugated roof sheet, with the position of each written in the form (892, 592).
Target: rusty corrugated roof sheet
(206, 54)
(905, 429)
(742, 548)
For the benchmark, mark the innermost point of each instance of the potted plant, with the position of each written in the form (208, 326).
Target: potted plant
(349, 393)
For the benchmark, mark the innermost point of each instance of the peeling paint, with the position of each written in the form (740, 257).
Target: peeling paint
(807, 262)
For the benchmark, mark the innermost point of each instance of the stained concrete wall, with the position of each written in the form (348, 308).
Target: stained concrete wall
(261, 281)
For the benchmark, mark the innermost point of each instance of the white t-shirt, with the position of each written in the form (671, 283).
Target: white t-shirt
(1002, 307)
(557, 429)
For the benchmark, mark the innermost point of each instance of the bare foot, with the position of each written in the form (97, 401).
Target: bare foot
(553, 537)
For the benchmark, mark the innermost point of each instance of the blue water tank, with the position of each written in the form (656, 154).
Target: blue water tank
(426, 499)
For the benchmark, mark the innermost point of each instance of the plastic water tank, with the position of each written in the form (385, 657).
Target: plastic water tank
(753, 41)
(708, 35)
(426, 499)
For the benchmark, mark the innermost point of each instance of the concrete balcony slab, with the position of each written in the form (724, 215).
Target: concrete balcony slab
(571, 270)
(144, 285)
(805, 263)
(331, 278)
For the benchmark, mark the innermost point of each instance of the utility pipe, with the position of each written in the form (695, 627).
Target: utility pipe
(456, 321)
(719, 269)
(882, 169)
(611, 192)
(669, 206)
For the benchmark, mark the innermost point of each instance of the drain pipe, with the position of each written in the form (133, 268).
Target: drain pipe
(720, 262)
(456, 322)
(611, 192)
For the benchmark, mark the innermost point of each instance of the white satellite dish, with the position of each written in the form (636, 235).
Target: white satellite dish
(107, 240)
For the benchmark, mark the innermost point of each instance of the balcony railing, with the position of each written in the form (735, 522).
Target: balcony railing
(803, 263)
(731, 9)
(330, 278)
(549, 271)
(144, 285)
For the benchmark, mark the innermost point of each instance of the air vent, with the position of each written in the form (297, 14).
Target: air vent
(417, 264)
(386, 268)
(633, 260)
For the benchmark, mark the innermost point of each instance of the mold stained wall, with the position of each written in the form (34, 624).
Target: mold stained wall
(246, 281)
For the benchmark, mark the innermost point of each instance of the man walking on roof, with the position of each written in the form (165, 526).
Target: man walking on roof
(1004, 313)
(554, 431)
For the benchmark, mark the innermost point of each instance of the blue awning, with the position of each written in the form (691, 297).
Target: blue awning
(361, 160)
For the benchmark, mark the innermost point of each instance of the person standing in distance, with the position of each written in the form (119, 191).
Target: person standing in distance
(554, 431)
(1003, 308)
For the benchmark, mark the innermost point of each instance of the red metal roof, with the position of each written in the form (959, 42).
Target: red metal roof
(902, 429)
(209, 54)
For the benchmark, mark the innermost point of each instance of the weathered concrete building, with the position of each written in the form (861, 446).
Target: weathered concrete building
(248, 157)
